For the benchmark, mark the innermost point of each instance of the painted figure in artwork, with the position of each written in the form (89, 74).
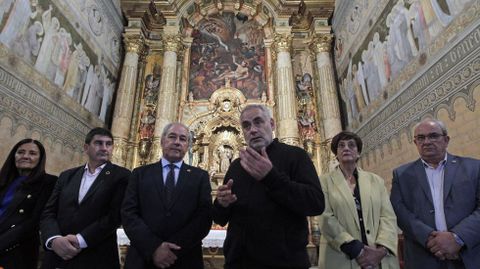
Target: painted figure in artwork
(227, 46)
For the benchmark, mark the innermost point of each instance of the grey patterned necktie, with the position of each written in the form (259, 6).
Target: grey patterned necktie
(170, 183)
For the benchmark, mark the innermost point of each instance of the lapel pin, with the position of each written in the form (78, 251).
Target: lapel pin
(188, 170)
(454, 161)
(107, 173)
(29, 196)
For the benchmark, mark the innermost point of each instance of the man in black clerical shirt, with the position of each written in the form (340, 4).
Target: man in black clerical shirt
(267, 194)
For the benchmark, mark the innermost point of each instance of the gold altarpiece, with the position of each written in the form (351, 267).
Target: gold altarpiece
(201, 62)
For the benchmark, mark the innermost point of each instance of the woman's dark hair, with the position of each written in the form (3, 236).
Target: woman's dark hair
(9, 170)
(345, 135)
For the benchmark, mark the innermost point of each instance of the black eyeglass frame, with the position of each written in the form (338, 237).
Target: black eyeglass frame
(430, 136)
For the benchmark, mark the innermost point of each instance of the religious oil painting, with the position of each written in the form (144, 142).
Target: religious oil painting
(227, 48)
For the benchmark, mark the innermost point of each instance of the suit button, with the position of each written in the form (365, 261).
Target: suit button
(368, 231)
(168, 214)
(21, 211)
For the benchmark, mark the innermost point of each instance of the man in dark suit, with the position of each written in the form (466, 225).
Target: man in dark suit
(79, 222)
(266, 197)
(437, 202)
(167, 208)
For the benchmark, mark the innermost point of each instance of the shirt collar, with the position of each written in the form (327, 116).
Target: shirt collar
(440, 164)
(97, 170)
(165, 163)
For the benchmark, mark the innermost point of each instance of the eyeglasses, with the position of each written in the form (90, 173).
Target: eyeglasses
(349, 144)
(433, 137)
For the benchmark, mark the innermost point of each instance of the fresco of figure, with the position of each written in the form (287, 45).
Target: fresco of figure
(51, 26)
(361, 80)
(92, 90)
(107, 98)
(27, 45)
(419, 26)
(357, 89)
(370, 72)
(60, 57)
(434, 25)
(401, 45)
(378, 59)
(19, 13)
(76, 73)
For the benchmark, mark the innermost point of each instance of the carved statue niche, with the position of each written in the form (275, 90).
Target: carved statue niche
(226, 142)
(218, 133)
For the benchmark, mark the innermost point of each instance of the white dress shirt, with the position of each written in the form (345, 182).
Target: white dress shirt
(87, 180)
(435, 178)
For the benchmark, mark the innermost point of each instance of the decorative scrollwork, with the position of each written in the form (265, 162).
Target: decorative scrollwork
(321, 43)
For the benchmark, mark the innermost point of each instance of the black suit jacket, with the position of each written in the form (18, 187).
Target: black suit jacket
(96, 218)
(148, 220)
(19, 237)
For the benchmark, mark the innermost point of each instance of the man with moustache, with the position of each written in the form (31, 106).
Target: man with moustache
(266, 197)
(167, 208)
(79, 222)
(437, 202)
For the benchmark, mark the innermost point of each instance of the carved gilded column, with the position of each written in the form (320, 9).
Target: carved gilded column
(321, 46)
(268, 69)
(287, 130)
(187, 44)
(132, 155)
(168, 95)
(122, 116)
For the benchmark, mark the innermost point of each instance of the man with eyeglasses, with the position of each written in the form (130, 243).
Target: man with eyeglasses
(437, 202)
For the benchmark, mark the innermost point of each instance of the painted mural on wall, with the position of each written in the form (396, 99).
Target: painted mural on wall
(41, 35)
(227, 47)
(408, 30)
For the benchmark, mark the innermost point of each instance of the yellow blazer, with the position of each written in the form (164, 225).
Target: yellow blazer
(339, 222)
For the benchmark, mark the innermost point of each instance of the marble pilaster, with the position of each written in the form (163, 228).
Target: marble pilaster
(321, 46)
(168, 95)
(287, 130)
(122, 116)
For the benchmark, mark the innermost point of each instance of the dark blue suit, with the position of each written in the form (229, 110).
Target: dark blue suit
(412, 201)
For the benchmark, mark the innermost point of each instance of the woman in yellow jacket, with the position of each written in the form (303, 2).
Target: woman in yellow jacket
(358, 227)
